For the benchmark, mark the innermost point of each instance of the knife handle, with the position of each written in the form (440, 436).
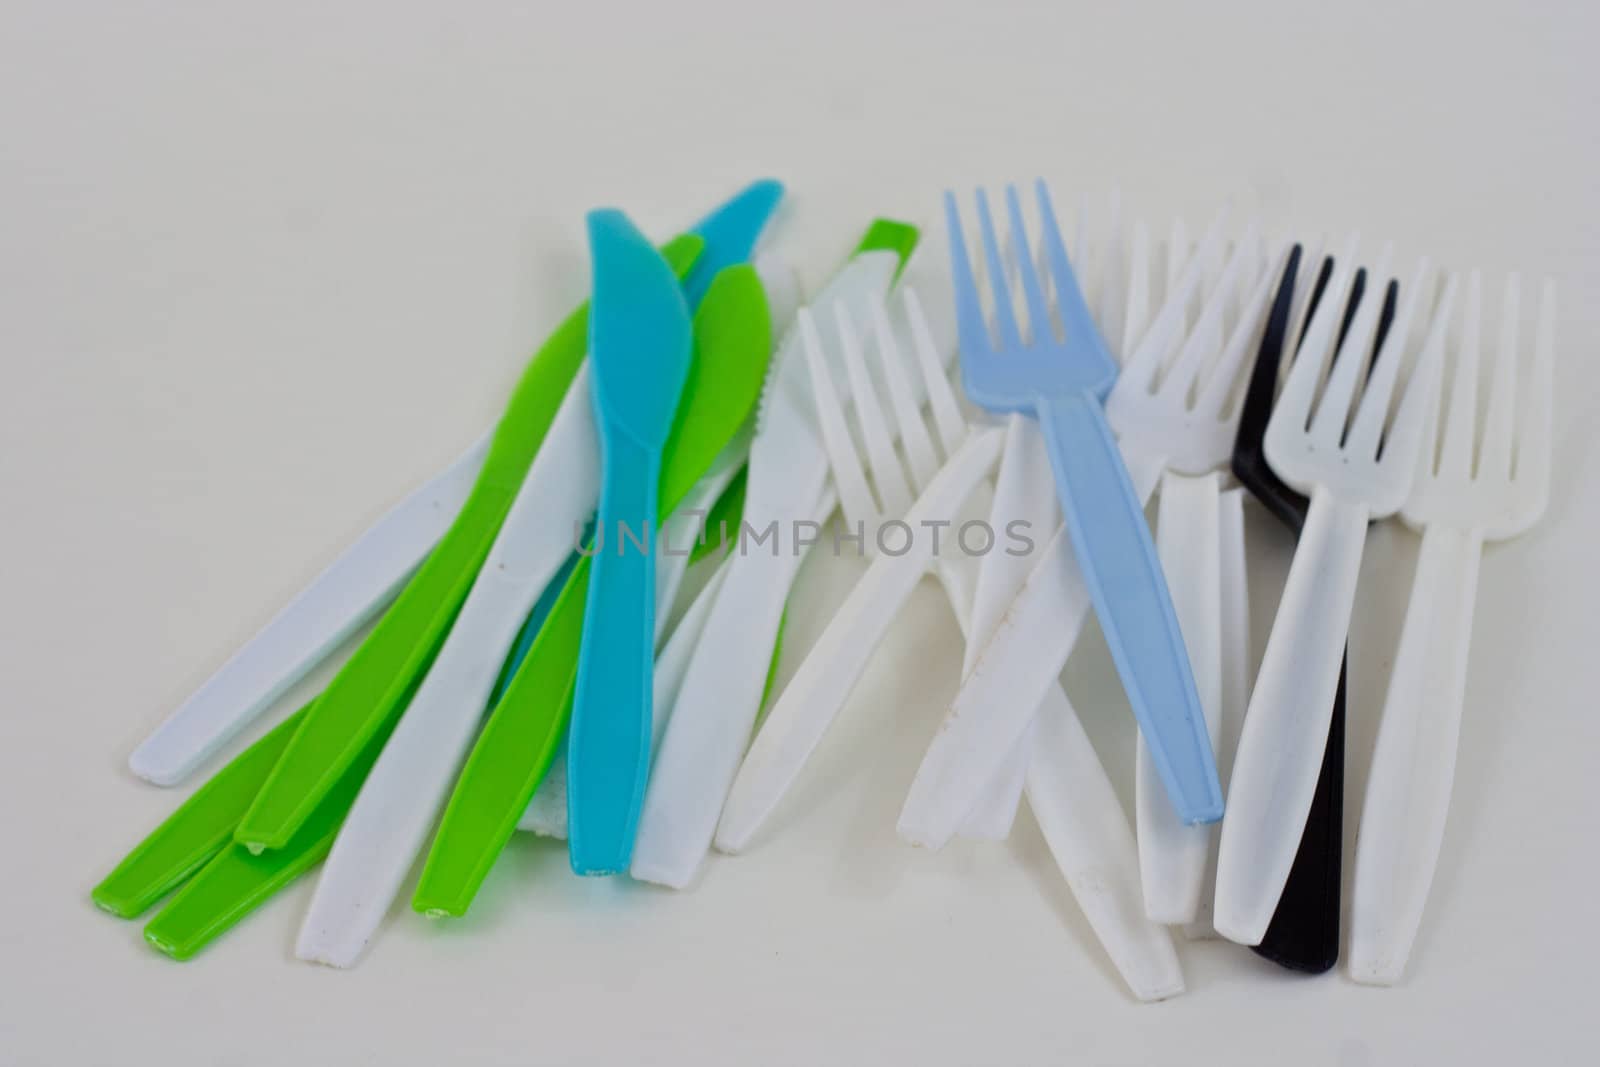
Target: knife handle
(546, 814)
(1112, 543)
(236, 881)
(712, 718)
(512, 754)
(200, 828)
(343, 598)
(608, 745)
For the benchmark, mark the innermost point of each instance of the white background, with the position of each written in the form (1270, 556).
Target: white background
(265, 266)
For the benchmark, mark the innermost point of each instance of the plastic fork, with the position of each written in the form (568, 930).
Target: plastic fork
(1072, 797)
(1173, 410)
(942, 487)
(1356, 464)
(1063, 383)
(1479, 479)
(990, 717)
(1304, 932)
(1027, 493)
(1187, 415)
(725, 683)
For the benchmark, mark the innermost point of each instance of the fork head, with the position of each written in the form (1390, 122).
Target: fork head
(1007, 370)
(1300, 292)
(889, 495)
(1177, 395)
(1320, 435)
(1486, 466)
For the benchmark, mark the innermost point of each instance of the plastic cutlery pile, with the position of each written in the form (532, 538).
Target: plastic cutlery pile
(578, 622)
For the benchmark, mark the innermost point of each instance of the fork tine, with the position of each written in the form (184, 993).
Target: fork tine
(1039, 325)
(971, 328)
(848, 476)
(1205, 341)
(1261, 384)
(1005, 318)
(1041, 267)
(1494, 461)
(1300, 389)
(1225, 375)
(1076, 321)
(1366, 436)
(952, 425)
(1134, 326)
(1177, 256)
(1532, 460)
(1428, 451)
(1350, 362)
(913, 434)
(1422, 389)
(1461, 413)
(893, 492)
(1167, 331)
(1307, 296)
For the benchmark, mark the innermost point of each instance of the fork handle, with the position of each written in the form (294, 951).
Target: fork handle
(713, 715)
(1414, 762)
(1083, 824)
(1129, 593)
(824, 682)
(1173, 855)
(1285, 733)
(1236, 674)
(999, 695)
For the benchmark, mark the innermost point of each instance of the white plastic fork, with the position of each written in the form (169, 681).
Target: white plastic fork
(820, 687)
(1183, 418)
(1477, 481)
(1356, 464)
(723, 687)
(1072, 798)
(1176, 537)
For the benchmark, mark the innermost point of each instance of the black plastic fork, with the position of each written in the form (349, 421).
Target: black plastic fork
(1304, 933)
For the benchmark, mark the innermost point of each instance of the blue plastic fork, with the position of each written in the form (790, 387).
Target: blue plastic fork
(1064, 383)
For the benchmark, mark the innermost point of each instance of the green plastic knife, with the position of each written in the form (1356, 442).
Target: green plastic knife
(196, 831)
(237, 881)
